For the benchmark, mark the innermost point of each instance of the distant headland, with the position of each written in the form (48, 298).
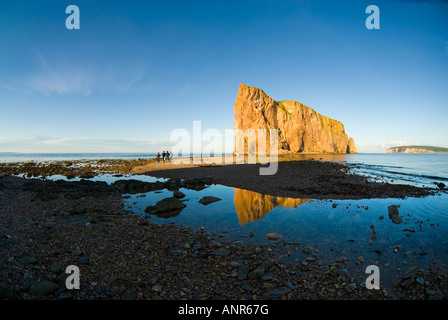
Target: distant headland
(417, 149)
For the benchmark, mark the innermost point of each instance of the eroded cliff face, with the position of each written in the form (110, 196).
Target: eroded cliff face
(300, 128)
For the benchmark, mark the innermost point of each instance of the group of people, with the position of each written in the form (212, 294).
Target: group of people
(165, 156)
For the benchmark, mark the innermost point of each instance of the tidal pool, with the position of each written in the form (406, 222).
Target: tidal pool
(359, 230)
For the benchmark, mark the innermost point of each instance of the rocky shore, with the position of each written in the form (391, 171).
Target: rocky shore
(294, 179)
(48, 225)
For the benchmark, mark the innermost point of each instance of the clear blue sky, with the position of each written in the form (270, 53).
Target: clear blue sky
(136, 70)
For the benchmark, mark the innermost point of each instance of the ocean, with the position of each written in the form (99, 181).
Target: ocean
(417, 169)
(40, 157)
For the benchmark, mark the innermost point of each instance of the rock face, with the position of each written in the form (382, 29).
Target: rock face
(417, 149)
(300, 128)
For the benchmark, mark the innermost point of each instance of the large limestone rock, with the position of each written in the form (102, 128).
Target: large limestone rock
(300, 128)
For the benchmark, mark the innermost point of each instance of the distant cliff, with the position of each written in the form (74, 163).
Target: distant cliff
(417, 149)
(300, 128)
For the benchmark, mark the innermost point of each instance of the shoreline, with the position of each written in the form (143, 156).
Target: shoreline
(297, 176)
(294, 178)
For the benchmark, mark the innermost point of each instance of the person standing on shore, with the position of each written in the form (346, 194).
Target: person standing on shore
(163, 156)
(158, 157)
(167, 156)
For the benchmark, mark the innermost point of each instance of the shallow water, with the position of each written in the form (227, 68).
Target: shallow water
(247, 216)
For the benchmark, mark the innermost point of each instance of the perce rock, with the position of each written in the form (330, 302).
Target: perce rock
(300, 128)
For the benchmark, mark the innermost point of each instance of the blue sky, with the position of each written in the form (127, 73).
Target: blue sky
(137, 70)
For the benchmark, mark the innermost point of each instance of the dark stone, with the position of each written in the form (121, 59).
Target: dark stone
(55, 267)
(178, 194)
(408, 277)
(243, 270)
(220, 252)
(167, 207)
(83, 260)
(28, 260)
(394, 214)
(277, 293)
(43, 288)
(209, 199)
(247, 287)
(8, 294)
(129, 296)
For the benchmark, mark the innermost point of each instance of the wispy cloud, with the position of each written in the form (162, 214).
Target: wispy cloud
(59, 79)
(4, 85)
(394, 143)
(62, 81)
(66, 77)
(188, 88)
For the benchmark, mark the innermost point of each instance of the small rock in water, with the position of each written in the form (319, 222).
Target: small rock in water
(178, 194)
(273, 236)
(394, 214)
(307, 250)
(440, 185)
(209, 199)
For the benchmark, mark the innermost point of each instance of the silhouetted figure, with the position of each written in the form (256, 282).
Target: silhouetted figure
(163, 156)
(158, 157)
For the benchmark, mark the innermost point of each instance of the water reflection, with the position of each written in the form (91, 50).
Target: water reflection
(252, 206)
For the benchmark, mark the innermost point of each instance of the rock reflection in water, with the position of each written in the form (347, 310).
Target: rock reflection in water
(252, 206)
